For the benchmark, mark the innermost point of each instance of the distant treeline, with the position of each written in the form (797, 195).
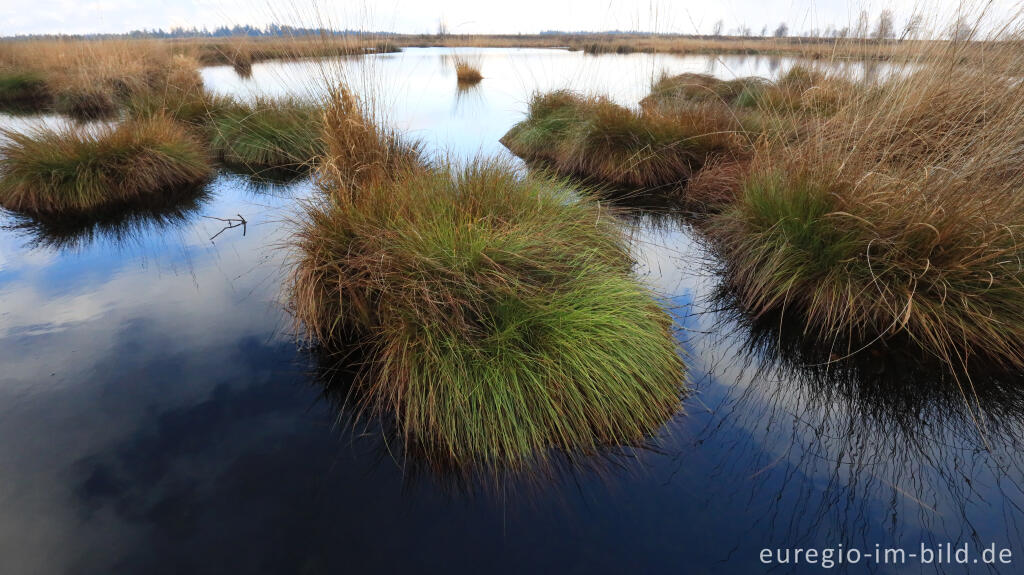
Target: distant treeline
(276, 30)
(272, 30)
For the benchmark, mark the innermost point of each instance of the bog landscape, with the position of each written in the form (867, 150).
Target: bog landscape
(315, 299)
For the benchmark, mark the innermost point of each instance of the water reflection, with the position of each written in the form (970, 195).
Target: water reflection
(881, 432)
(339, 373)
(281, 182)
(27, 122)
(119, 226)
(469, 99)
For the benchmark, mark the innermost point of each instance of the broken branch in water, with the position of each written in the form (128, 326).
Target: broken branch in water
(232, 223)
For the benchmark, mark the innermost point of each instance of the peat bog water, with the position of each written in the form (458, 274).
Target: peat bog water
(158, 417)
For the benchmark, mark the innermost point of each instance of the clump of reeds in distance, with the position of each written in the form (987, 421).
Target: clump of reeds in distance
(596, 139)
(500, 312)
(467, 70)
(75, 169)
(242, 61)
(279, 134)
(898, 214)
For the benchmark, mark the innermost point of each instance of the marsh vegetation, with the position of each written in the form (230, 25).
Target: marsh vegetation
(870, 207)
(501, 314)
(519, 320)
(163, 126)
(874, 208)
(898, 214)
(78, 169)
(467, 70)
(600, 141)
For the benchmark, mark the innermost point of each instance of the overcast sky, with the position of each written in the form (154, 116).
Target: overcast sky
(461, 16)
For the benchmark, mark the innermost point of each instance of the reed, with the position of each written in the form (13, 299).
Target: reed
(467, 71)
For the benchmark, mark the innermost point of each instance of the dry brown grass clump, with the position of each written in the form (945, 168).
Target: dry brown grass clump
(242, 59)
(716, 185)
(756, 102)
(467, 71)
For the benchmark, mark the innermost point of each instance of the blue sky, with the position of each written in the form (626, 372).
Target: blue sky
(464, 16)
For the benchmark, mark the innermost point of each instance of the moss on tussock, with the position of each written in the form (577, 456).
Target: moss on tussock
(75, 169)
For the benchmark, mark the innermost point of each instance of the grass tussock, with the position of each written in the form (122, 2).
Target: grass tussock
(600, 141)
(467, 71)
(800, 94)
(674, 92)
(500, 311)
(75, 169)
(764, 113)
(242, 63)
(280, 134)
(899, 214)
(22, 90)
(85, 102)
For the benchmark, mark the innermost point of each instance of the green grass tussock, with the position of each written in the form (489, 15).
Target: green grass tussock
(500, 310)
(195, 110)
(600, 141)
(268, 133)
(22, 89)
(899, 215)
(75, 169)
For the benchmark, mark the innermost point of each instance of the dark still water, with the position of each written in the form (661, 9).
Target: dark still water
(157, 415)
